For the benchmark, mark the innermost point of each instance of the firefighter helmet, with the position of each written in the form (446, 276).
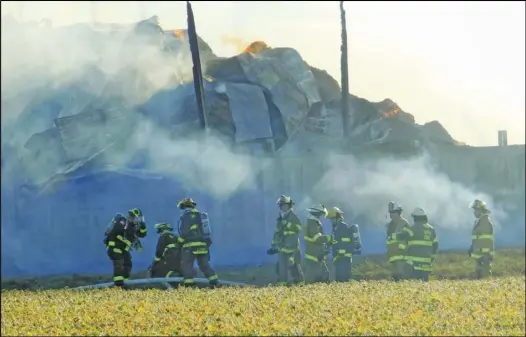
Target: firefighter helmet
(334, 212)
(317, 209)
(283, 200)
(135, 212)
(163, 226)
(418, 212)
(186, 203)
(393, 207)
(478, 204)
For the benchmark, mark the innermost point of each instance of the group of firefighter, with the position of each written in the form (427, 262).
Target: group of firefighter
(411, 249)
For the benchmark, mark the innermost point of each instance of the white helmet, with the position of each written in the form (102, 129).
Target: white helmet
(393, 207)
(418, 212)
(317, 209)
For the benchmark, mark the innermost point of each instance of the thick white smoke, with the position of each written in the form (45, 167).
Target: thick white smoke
(364, 187)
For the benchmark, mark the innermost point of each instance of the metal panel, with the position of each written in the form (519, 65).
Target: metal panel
(249, 111)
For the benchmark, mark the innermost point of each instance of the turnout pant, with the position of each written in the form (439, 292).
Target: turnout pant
(316, 271)
(165, 269)
(188, 258)
(122, 266)
(483, 266)
(421, 275)
(290, 262)
(342, 269)
(398, 269)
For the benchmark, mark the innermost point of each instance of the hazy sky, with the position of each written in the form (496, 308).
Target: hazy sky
(462, 63)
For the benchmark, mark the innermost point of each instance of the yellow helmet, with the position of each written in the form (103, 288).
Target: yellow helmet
(186, 203)
(333, 213)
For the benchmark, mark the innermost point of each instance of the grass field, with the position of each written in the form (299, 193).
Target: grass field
(449, 265)
(445, 307)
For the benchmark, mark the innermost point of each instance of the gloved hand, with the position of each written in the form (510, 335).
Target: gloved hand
(272, 251)
(208, 242)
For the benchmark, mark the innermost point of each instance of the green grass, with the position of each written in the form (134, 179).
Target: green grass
(449, 265)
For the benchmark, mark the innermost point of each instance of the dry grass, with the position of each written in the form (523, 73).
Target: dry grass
(446, 307)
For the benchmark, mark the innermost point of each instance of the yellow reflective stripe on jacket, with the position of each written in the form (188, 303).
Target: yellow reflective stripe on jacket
(402, 246)
(117, 250)
(194, 227)
(396, 258)
(424, 267)
(313, 238)
(407, 229)
(312, 258)
(111, 243)
(180, 239)
(346, 239)
(289, 233)
(418, 259)
(143, 230)
(169, 246)
(121, 238)
(419, 243)
(194, 244)
(287, 250)
(157, 259)
(341, 251)
(482, 236)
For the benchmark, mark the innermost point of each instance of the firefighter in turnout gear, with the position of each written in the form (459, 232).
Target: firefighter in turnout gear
(167, 260)
(422, 245)
(482, 240)
(121, 236)
(395, 249)
(286, 243)
(194, 236)
(316, 246)
(346, 241)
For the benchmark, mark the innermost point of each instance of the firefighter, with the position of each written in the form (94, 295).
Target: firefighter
(316, 246)
(121, 236)
(395, 249)
(194, 236)
(482, 240)
(346, 241)
(286, 242)
(167, 260)
(422, 245)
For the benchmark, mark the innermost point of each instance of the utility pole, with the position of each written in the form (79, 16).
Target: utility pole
(344, 75)
(196, 61)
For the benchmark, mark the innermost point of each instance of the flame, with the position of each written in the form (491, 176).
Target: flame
(256, 47)
(392, 113)
(243, 46)
(179, 33)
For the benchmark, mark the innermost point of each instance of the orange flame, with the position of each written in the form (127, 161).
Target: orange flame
(391, 113)
(243, 46)
(179, 33)
(256, 47)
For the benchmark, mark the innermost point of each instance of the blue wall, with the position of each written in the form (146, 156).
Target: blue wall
(61, 232)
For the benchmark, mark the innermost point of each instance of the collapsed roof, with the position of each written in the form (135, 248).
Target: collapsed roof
(266, 99)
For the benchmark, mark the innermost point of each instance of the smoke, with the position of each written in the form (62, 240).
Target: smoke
(364, 188)
(199, 163)
(103, 60)
(237, 42)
